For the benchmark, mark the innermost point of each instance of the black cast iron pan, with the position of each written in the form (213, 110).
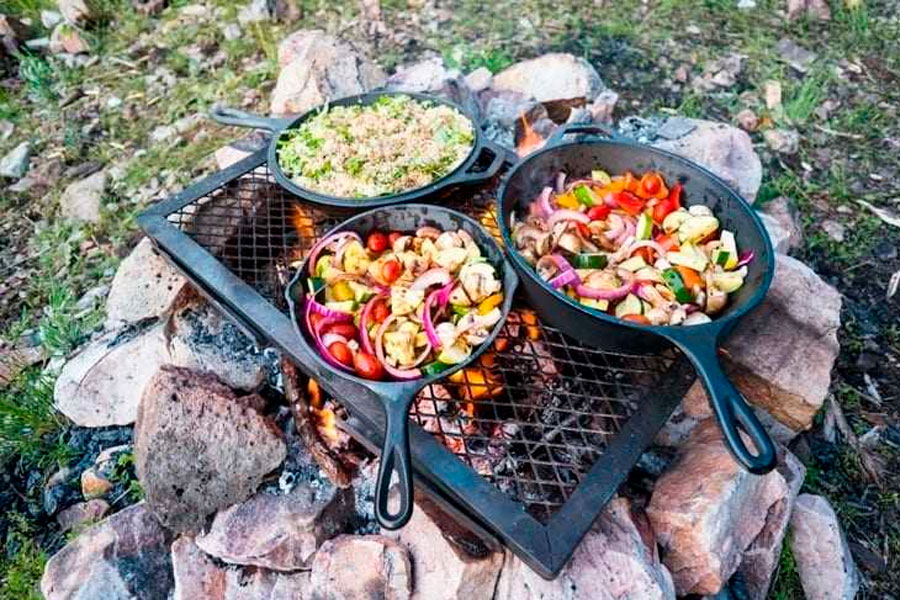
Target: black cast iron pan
(698, 342)
(464, 174)
(396, 396)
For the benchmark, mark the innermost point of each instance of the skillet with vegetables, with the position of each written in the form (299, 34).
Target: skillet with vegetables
(629, 246)
(397, 305)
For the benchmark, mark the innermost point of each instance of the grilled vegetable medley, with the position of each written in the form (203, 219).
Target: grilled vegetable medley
(627, 246)
(397, 305)
(393, 145)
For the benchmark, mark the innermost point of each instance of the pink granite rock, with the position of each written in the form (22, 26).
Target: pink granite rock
(820, 550)
(145, 286)
(360, 567)
(612, 562)
(706, 511)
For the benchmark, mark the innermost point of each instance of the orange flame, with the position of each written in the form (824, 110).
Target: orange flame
(530, 140)
(327, 422)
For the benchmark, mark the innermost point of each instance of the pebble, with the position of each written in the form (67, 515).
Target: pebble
(15, 163)
(836, 231)
(6, 129)
(50, 18)
(113, 102)
(231, 32)
(885, 251)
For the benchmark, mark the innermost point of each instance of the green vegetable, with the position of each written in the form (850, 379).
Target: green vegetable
(630, 305)
(460, 310)
(591, 261)
(644, 228)
(676, 284)
(586, 195)
(688, 256)
(434, 368)
(322, 265)
(601, 177)
(345, 306)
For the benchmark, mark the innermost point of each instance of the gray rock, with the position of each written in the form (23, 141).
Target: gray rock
(601, 109)
(232, 31)
(66, 38)
(317, 67)
(102, 384)
(360, 567)
(279, 531)
(795, 55)
(783, 141)
(6, 129)
(479, 79)
(676, 128)
(202, 340)
(820, 551)
(782, 211)
(81, 200)
(145, 287)
(725, 150)
(612, 562)
(813, 9)
(75, 12)
(433, 77)
(256, 11)
(163, 133)
(15, 164)
(82, 514)
(199, 448)
(198, 577)
(836, 230)
(554, 76)
(125, 557)
(50, 18)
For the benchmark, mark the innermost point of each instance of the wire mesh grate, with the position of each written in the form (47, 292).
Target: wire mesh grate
(532, 417)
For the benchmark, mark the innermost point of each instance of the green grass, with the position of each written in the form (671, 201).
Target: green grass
(20, 573)
(786, 584)
(38, 75)
(803, 98)
(30, 428)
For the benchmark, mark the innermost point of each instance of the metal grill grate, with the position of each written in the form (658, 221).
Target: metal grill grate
(532, 417)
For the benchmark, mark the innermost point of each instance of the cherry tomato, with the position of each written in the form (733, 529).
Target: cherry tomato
(630, 203)
(314, 319)
(347, 330)
(391, 270)
(668, 242)
(651, 183)
(367, 366)
(380, 311)
(584, 231)
(598, 213)
(341, 353)
(394, 236)
(377, 242)
(637, 319)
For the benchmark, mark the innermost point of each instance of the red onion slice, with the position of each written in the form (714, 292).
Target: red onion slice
(330, 313)
(325, 242)
(329, 338)
(616, 226)
(436, 276)
(560, 182)
(565, 278)
(647, 244)
(364, 339)
(315, 333)
(544, 201)
(745, 258)
(379, 354)
(441, 296)
(613, 294)
(565, 214)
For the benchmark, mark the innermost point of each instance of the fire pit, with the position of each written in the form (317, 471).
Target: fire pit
(526, 446)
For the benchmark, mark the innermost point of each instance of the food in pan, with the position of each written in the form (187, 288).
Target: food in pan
(398, 305)
(628, 246)
(395, 144)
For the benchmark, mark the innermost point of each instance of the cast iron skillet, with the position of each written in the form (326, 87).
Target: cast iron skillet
(698, 342)
(464, 174)
(396, 396)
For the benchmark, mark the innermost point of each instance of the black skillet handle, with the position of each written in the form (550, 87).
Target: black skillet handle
(594, 129)
(395, 456)
(239, 118)
(732, 411)
(498, 157)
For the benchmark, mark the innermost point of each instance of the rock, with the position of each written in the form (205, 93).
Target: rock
(479, 79)
(433, 77)
(6, 129)
(66, 38)
(795, 55)
(783, 141)
(613, 561)
(279, 531)
(781, 354)
(601, 109)
(317, 67)
(746, 4)
(58, 492)
(784, 214)
(706, 510)
(94, 485)
(761, 558)
(747, 120)
(441, 569)
(199, 448)
(50, 18)
(82, 514)
(75, 12)
(550, 77)
(720, 73)
(145, 287)
(835, 230)
(15, 164)
(725, 150)
(360, 567)
(198, 577)
(125, 557)
(14, 360)
(772, 94)
(163, 133)
(201, 339)
(229, 155)
(255, 12)
(820, 551)
(813, 9)
(777, 233)
(102, 384)
(81, 200)
(676, 127)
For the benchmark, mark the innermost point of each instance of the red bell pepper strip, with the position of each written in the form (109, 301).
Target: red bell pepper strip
(669, 205)
(630, 203)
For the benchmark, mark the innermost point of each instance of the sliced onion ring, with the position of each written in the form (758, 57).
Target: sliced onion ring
(364, 339)
(544, 201)
(745, 258)
(565, 214)
(647, 244)
(613, 294)
(441, 296)
(565, 278)
(325, 242)
(316, 335)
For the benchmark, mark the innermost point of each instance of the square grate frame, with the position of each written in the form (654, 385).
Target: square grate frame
(536, 438)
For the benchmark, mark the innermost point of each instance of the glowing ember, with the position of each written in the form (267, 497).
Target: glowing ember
(326, 422)
(530, 140)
